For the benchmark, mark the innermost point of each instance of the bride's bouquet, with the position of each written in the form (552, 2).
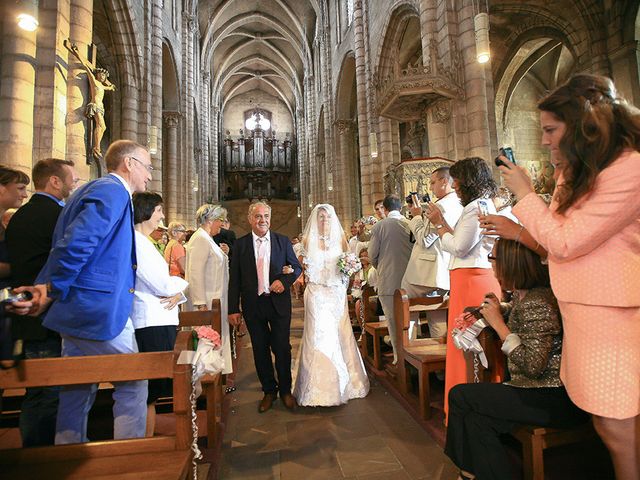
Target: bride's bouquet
(348, 264)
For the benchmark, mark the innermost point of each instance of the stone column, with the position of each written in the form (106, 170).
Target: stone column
(187, 205)
(49, 137)
(345, 176)
(17, 96)
(216, 159)
(437, 118)
(155, 63)
(205, 109)
(81, 34)
(170, 156)
(385, 154)
(361, 100)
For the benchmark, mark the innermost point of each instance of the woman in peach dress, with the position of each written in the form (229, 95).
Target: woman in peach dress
(592, 235)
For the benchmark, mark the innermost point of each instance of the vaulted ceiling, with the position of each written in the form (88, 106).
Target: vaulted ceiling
(258, 44)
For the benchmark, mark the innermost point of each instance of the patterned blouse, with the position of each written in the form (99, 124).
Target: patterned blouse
(534, 356)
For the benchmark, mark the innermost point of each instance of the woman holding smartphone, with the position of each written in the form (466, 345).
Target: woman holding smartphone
(470, 270)
(591, 232)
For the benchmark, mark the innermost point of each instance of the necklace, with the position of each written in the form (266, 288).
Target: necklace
(324, 237)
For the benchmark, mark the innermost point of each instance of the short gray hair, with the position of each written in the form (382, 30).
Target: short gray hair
(175, 226)
(255, 205)
(209, 212)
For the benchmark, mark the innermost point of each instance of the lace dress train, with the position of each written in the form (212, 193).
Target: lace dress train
(330, 370)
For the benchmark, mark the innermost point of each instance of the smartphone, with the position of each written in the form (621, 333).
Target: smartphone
(483, 206)
(508, 153)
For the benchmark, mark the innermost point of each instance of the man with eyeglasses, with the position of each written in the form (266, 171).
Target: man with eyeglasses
(89, 282)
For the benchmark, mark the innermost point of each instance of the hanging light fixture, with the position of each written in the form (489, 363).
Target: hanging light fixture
(373, 144)
(330, 182)
(27, 15)
(481, 25)
(153, 140)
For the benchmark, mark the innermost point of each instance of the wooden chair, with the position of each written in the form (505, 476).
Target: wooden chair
(374, 331)
(167, 457)
(534, 439)
(211, 384)
(426, 355)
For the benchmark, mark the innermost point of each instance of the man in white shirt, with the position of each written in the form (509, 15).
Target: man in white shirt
(353, 240)
(389, 252)
(428, 268)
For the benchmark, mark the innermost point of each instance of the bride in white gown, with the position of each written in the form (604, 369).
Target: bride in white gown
(330, 369)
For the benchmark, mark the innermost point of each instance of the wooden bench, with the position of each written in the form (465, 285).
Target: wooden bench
(167, 457)
(374, 331)
(534, 439)
(211, 384)
(426, 355)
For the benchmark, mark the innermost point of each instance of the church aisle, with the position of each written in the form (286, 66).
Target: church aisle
(369, 439)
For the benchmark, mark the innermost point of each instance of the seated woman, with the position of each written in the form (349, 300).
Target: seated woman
(532, 341)
(360, 281)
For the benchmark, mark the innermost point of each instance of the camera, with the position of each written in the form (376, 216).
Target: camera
(505, 152)
(7, 295)
(423, 199)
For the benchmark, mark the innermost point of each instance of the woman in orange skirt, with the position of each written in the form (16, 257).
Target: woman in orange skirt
(470, 270)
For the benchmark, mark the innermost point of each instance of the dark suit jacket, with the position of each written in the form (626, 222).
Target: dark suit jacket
(243, 282)
(28, 239)
(226, 236)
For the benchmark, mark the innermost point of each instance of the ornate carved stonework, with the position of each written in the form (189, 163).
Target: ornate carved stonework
(406, 91)
(344, 126)
(412, 175)
(441, 111)
(171, 119)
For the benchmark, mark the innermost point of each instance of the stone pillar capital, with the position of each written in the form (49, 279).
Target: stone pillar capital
(171, 119)
(344, 126)
(206, 76)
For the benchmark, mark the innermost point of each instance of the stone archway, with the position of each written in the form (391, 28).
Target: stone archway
(346, 174)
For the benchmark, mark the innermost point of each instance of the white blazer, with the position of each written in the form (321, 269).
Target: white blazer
(429, 262)
(153, 282)
(207, 271)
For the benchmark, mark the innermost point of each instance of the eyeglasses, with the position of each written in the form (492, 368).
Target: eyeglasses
(492, 258)
(148, 167)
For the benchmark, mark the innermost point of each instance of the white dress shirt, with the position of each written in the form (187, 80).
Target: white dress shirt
(266, 255)
(153, 282)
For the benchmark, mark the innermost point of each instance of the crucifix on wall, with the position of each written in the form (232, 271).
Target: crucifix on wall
(98, 84)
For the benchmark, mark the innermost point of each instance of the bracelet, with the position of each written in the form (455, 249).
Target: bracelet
(519, 233)
(439, 226)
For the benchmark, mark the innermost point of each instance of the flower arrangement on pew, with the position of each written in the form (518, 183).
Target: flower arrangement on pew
(207, 359)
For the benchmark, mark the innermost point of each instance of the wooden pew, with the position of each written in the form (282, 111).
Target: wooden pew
(374, 331)
(426, 355)
(211, 384)
(534, 439)
(167, 457)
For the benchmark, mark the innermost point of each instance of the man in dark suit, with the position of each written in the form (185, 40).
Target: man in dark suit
(226, 237)
(263, 268)
(28, 238)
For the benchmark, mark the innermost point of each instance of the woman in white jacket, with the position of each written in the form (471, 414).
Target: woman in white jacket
(154, 313)
(207, 271)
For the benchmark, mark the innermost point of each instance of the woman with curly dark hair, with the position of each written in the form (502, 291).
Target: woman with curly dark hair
(470, 270)
(592, 235)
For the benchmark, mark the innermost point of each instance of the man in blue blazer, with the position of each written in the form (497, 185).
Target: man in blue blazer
(90, 280)
(263, 268)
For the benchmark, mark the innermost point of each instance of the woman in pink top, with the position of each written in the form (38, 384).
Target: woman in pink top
(592, 235)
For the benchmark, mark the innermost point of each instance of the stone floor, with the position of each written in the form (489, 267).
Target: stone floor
(370, 439)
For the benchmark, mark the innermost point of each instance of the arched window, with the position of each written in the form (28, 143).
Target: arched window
(257, 118)
(349, 12)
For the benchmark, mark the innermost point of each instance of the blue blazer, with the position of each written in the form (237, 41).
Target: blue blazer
(91, 267)
(243, 280)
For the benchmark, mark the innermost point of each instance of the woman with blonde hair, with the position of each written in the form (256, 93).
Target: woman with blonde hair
(207, 271)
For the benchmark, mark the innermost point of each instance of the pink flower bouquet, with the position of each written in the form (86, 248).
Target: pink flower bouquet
(349, 264)
(210, 334)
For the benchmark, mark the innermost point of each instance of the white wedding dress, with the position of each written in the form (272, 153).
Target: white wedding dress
(330, 370)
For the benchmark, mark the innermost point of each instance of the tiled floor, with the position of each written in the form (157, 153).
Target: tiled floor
(372, 438)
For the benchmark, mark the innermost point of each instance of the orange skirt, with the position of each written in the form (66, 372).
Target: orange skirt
(468, 288)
